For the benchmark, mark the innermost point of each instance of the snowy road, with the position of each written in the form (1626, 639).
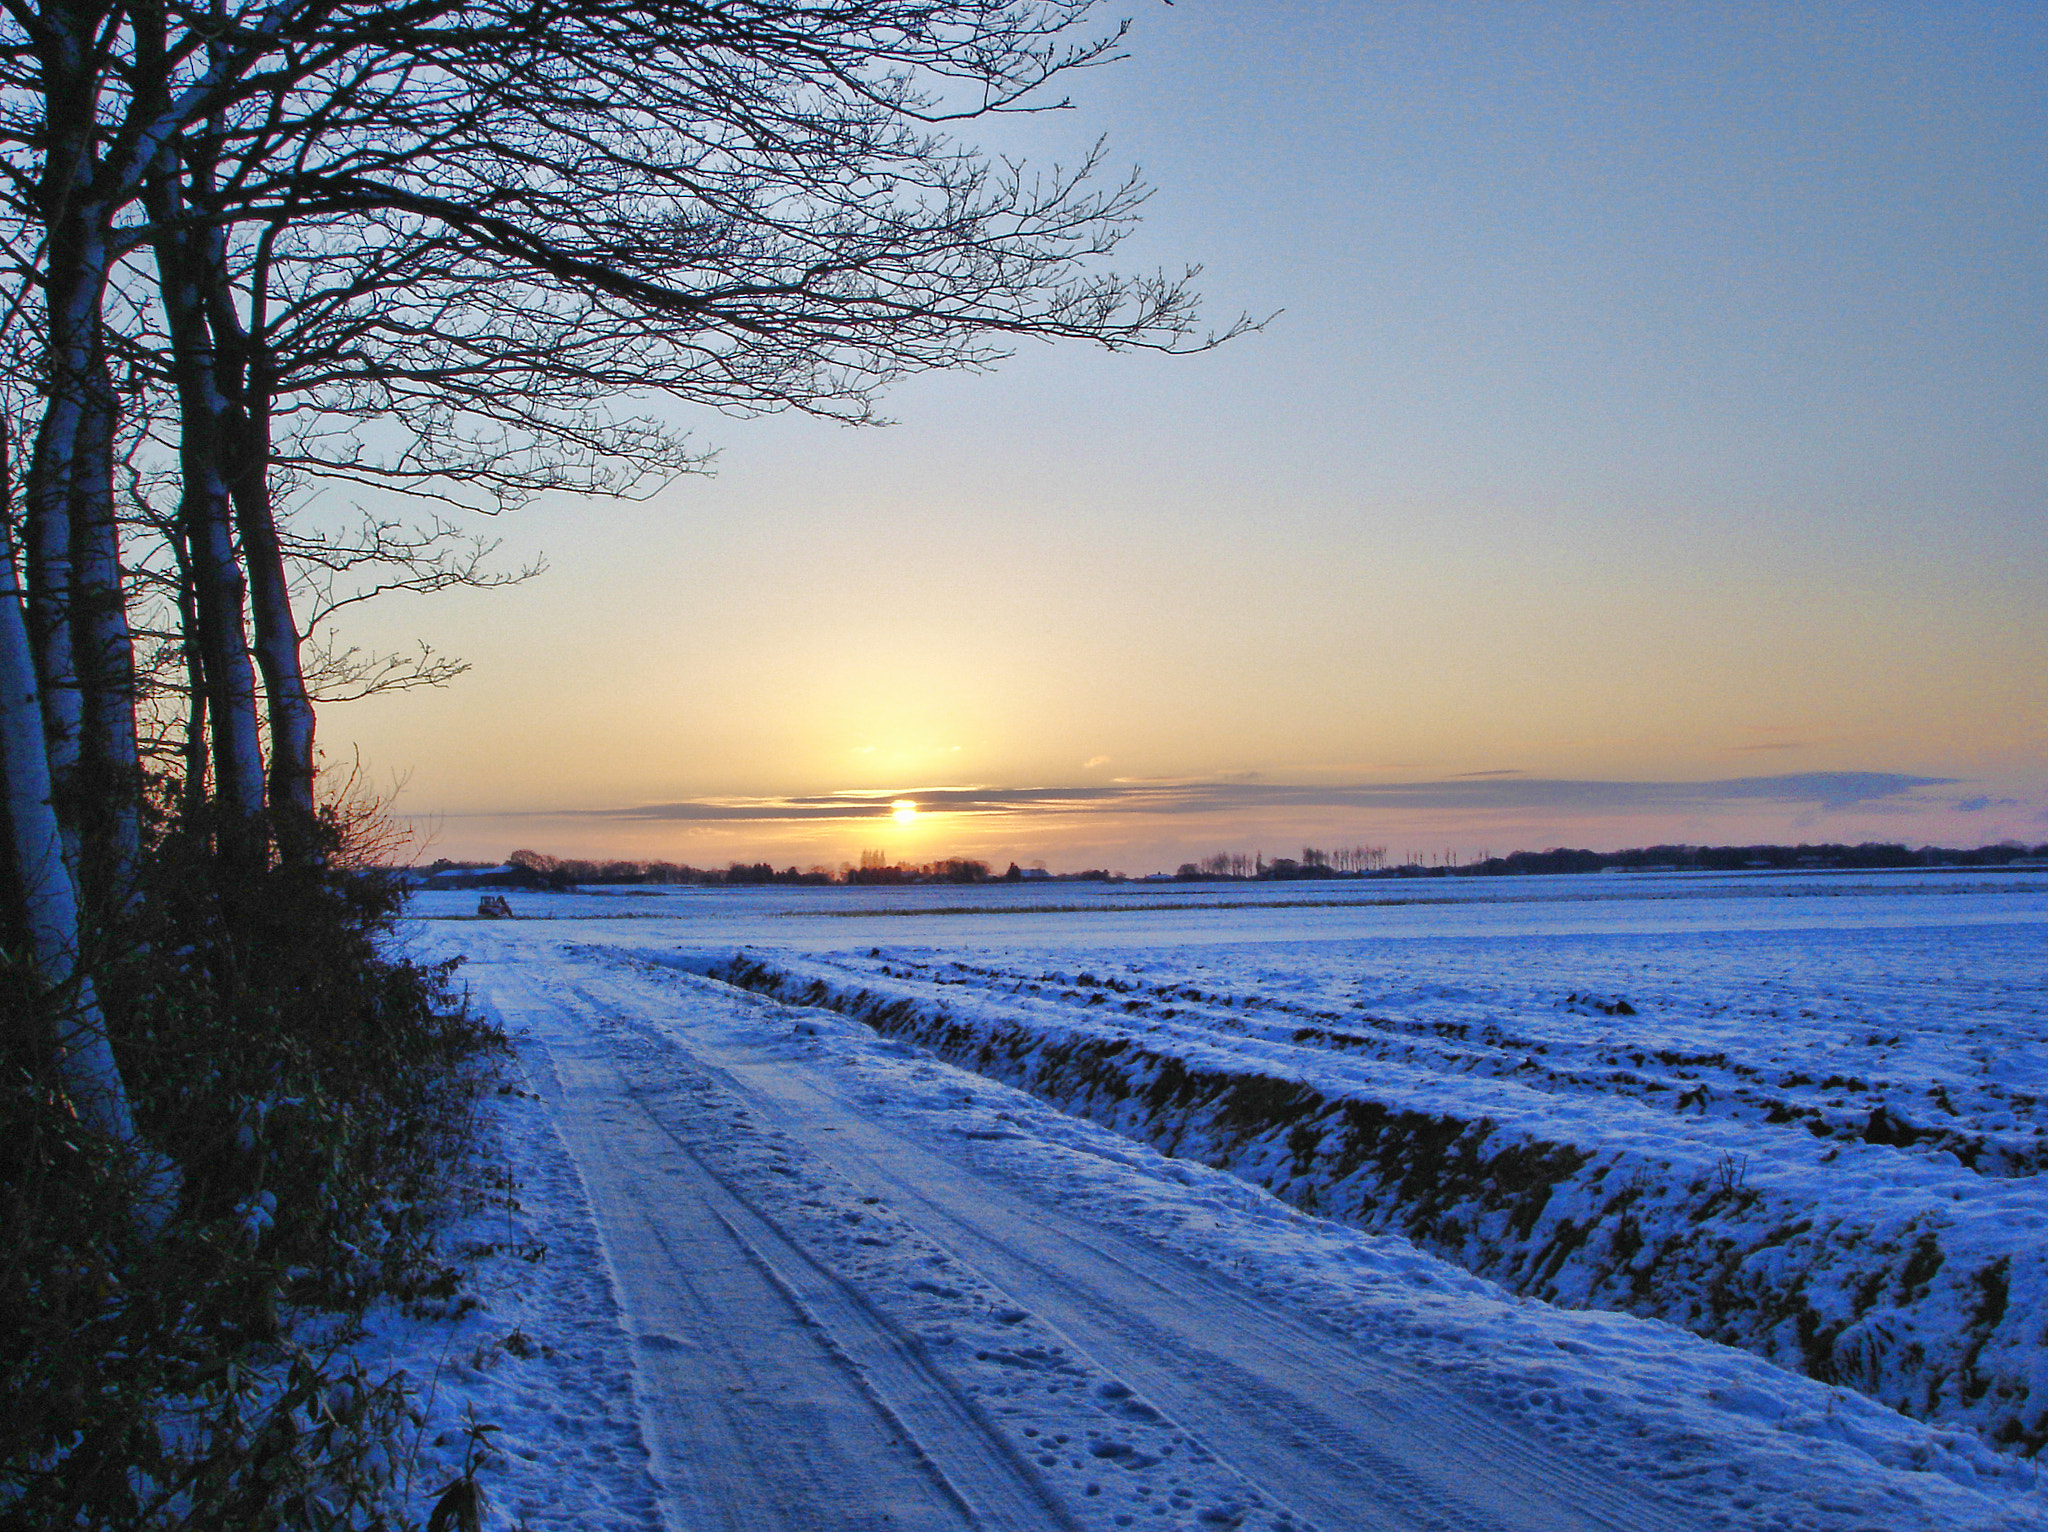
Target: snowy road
(1337, 1436)
(865, 1290)
(773, 1395)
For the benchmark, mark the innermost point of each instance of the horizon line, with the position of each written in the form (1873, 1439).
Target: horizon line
(1824, 790)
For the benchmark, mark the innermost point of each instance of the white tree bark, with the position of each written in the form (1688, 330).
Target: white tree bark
(46, 532)
(104, 652)
(45, 896)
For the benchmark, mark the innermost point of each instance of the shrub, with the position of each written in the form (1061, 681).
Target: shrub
(312, 1086)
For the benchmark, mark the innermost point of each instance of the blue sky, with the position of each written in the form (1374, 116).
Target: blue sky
(1654, 395)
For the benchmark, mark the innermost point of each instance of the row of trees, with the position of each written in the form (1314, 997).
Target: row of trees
(947, 870)
(539, 870)
(1364, 860)
(1827, 854)
(1313, 862)
(424, 247)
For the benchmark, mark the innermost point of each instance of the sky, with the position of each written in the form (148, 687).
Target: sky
(1646, 443)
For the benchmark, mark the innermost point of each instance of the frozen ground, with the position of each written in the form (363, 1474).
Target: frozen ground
(804, 1273)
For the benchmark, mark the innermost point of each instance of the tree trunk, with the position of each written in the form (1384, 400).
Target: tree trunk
(219, 592)
(39, 890)
(245, 364)
(41, 896)
(103, 649)
(74, 290)
(194, 795)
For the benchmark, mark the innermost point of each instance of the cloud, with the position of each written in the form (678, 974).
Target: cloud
(1094, 761)
(1810, 791)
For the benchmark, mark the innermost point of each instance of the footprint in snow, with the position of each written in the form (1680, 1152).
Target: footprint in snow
(1123, 1454)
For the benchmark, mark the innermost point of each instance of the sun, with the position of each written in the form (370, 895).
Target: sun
(904, 810)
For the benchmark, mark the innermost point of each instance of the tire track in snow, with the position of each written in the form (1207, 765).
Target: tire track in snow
(1286, 1405)
(995, 1490)
(772, 1400)
(1357, 1442)
(1341, 1436)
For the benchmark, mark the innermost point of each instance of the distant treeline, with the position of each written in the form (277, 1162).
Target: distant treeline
(1345, 861)
(1869, 854)
(1560, 859)
(1314, 862)
(535, 869)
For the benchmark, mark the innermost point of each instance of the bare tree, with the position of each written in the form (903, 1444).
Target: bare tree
(454, 251)
(439, 280)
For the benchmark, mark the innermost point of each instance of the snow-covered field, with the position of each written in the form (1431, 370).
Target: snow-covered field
(816, 1260)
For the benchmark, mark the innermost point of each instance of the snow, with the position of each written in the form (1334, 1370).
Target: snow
(805, 1271)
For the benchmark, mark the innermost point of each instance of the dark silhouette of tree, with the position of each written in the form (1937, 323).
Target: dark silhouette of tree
(441, 249)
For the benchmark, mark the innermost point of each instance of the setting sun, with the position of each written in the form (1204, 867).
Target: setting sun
(905, 811)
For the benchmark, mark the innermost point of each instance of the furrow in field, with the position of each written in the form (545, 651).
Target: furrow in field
(1671, 1053)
